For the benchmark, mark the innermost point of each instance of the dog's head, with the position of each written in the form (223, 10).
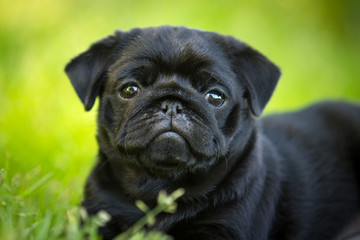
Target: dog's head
(173, 100)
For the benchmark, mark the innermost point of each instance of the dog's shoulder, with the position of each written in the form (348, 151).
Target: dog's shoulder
(323, 115)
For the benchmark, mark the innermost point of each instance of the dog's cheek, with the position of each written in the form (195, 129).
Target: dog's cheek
(230, 123)
(107, 113)
(107, 119)
(103, 136)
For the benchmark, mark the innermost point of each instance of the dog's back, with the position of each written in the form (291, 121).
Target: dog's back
(320, 161)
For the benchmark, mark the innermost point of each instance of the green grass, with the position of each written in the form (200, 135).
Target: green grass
(47, 141)
(29, 212)
(50, 217)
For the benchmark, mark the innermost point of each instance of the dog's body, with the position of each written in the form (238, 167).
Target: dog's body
(177, 109)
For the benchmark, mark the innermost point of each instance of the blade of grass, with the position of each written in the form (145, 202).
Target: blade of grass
(38, 184)
(45, 226)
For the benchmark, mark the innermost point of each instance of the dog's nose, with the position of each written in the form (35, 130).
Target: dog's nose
(171, 108)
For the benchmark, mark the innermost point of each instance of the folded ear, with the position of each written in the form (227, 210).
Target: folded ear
(259, 74)
(87, 71)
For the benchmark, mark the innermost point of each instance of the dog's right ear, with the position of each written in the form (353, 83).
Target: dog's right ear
(87, 71)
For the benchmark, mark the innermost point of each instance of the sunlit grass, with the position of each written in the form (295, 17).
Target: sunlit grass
(48, 215)
(28, 211)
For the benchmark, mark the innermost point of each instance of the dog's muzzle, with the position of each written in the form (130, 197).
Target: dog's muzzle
(169, 150)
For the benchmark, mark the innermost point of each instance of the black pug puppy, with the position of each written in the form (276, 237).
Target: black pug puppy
(179, 108)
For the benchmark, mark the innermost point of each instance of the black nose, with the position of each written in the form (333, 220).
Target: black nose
(171, 108)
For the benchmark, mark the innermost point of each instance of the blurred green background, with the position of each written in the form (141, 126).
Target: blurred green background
(42, 123)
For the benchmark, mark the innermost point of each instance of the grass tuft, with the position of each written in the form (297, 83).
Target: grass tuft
(24, 214)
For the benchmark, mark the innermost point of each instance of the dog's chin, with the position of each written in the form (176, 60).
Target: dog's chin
(167, 155)
(168, 149)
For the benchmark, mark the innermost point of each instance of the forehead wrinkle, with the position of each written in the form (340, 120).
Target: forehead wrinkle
(182, 62)
(169, 45)
(180, 52)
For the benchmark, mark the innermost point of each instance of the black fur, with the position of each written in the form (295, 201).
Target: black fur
(288, 176)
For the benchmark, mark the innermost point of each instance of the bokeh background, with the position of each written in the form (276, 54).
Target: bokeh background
(43, 126)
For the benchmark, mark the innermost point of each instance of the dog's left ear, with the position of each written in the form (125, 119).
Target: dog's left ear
(87, 71)
(259, 73)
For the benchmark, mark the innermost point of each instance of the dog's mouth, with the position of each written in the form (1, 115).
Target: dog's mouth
(169, 150)
(167, 154)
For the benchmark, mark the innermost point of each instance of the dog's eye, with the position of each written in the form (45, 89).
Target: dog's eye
(215, 98)
(129, 91)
